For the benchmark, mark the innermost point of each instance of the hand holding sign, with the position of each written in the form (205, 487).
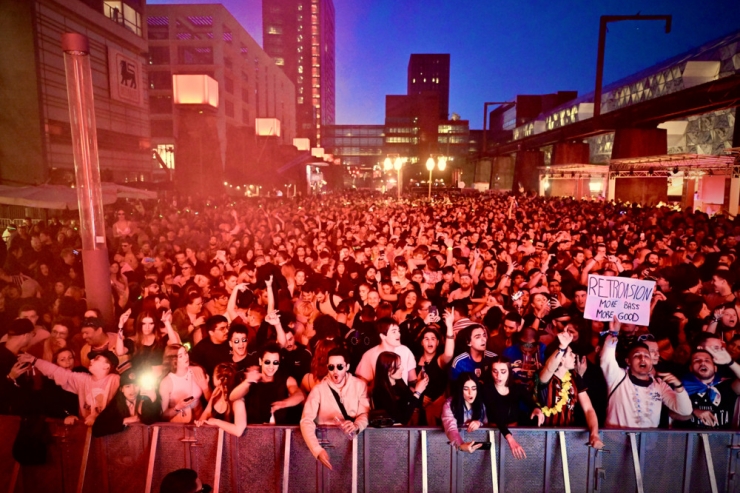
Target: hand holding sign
(626, 298)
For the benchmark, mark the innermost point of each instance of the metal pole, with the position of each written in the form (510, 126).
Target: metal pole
(636, 463)
(494, 472)
(424, 472)
(219, 458)
(96, 265)
(152, 459)
(85, 457)
(710, 462)
(429, 196)
(604, 20)
(286, 461)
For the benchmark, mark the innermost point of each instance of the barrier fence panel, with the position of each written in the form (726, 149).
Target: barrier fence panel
(276, 459)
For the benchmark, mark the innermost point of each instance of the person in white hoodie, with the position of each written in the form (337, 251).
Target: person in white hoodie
(635, 396)
(340, 399)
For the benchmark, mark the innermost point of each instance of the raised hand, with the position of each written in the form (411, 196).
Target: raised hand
(124, 318)
(565, 338)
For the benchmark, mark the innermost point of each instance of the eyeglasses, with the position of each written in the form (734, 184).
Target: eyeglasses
(273, 363)
(646, 337)
(237, 341)
(338, 367)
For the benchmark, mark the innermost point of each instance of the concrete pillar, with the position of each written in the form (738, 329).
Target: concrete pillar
(639, 142)
(525, 172)
(611, 187)
(605, 186)
(542, 186)
(570, 153)
(734, 193)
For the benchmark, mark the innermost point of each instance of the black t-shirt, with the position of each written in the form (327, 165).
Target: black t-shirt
(295, 363)
(724, 411)
(208, 355)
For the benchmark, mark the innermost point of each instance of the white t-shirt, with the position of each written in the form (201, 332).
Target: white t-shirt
(366, 368)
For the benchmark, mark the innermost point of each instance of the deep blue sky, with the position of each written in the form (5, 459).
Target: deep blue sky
(499, 48)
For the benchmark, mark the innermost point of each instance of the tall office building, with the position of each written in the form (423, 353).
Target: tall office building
(299, 36)
(431, 73)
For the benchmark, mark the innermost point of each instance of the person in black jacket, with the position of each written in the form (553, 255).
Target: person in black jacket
(135, 402)
(390, 392)
(504, 400)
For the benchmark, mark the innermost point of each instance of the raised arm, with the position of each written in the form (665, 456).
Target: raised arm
(553, 362)
(444, 359)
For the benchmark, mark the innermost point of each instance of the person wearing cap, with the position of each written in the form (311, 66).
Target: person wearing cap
(135, 402)
(94, 390)
(183, 481)
(15, 383)
(96, 339)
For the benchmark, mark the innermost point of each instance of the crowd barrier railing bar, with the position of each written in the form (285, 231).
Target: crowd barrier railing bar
(276, 459)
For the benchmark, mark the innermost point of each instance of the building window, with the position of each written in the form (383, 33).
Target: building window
(229, 85)
(274, 30)
(280, 61)
(167, 153)
(300, 69)
(228, 63)
(160, 80)
(229, 109)
(160, 104)
(161, 128)
(245, 95)
(300, 99)
(193, 55)
(123, 14)
(159, 55)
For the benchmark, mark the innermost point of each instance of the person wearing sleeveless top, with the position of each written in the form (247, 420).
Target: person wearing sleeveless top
(182, 386)
(270, 397)
(221, 412)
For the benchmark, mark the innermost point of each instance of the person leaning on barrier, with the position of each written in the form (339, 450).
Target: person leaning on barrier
(464, 408)
(505, 401)
(635, 397)
(221, 411)
(135, 402)
(712, 397)
(269, 396)
(339, 398)
(560, 389)
(94, 390)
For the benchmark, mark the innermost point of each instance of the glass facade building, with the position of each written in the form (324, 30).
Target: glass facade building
(299, 36)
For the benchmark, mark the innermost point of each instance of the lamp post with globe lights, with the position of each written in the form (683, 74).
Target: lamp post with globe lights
(397, 164)
(441, 165)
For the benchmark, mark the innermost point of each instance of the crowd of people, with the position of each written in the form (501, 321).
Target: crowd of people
(358, 310)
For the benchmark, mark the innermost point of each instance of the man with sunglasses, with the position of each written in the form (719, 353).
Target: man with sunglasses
(339, 398)
(271, 397)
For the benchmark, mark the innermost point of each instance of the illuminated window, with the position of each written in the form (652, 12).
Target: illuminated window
(300, 69)
(300, 100)
(300, 38)
(274, 30)
(280, 61)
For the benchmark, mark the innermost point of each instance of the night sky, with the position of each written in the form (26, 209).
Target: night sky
(499, 48)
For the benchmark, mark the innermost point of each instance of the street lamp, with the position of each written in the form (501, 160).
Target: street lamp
(395, 163)
(441, 164)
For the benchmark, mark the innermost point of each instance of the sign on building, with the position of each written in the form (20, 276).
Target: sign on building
(125, 76)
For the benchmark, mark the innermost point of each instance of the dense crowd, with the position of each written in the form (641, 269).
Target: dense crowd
(356, 310)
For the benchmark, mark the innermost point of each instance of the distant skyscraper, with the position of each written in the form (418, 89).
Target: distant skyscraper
(299, 36)
(431, 72)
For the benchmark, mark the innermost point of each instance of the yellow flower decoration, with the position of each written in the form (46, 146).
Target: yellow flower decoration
(562, 400)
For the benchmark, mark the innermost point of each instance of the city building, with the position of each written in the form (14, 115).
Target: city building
(299, 36)
(35, 135)
(206, 39)
(431, 73)
(360, 149)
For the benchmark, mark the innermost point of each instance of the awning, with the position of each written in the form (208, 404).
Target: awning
(64, 197)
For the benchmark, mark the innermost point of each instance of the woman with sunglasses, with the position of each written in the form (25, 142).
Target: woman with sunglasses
(464, 409)
(221, 412)
(270, 396)
(390, 392)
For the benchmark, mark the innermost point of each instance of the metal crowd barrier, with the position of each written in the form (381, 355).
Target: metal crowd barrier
(276, 459)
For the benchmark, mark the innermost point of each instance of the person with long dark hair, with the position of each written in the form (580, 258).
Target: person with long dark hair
(390, 392)
(220, 411)
(504, 399)
(464, 408)
(135, 402)
(434, 364)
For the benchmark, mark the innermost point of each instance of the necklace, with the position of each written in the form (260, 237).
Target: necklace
(641, 417)
(562, 397)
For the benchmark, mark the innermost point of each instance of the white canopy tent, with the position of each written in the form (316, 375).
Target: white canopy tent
(63, 197)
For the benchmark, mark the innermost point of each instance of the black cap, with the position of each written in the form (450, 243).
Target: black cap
(20, 326)
(94, 322)
(128, 377)
(107, 354)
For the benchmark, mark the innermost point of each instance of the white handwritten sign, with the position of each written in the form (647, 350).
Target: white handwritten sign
(628, 299)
